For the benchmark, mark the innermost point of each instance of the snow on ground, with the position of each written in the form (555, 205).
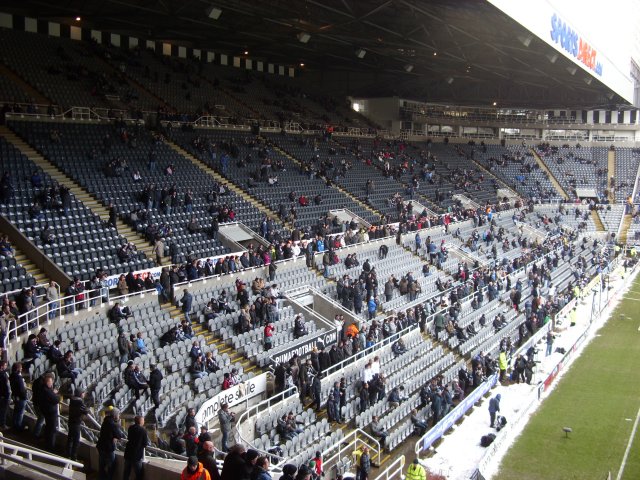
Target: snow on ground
(459, 454)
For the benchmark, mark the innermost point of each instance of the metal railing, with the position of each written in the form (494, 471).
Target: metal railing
(352, 441)
(38, 286)
(393, 471)
(24, 455)
(68, 305)
(40, 107)
(338, 367)
(263, 406)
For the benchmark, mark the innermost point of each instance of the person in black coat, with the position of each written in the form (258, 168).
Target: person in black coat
(334, 355)
(280, 375)
(325, 360)
(5, 394)
(208, 460)
(288, 472)
(66, 367)
(77, 410)
(19, 393)
(49, 406)
(316, 392)
(137, 440)
(235, 467)
(155, 384)
(113, 216)
(315, 359)
(110, 433)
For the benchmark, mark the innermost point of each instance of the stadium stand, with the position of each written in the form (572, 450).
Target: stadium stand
(251, 162)
(113, 156)
(58, 223)
(452, 285)
(577, 167)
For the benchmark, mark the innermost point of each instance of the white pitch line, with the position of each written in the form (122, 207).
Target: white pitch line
(626, 452)
(636, 299)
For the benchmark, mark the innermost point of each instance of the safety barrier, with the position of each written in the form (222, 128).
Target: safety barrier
(24, 455)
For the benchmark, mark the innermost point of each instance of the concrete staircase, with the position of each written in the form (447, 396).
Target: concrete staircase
(421, 198)
(210, 338)
(35, 95)
(488, 173)
(80, 193)
(30, 267)
(624, 230)
(334, 185)
(595, 216)
(225, 91)
(133, 82)
(256, 202)
(611, 172)
(550, 175)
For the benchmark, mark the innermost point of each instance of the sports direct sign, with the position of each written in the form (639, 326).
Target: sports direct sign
(585, 32)
(564, 36)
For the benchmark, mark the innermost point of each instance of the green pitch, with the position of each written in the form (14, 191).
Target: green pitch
(599, 399)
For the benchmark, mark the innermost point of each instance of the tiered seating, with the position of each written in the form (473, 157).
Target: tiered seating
(11, 92)
(13, 275)
(290, 275)
(398, 262)
(567, 218)
(488, 341)
(633, 235)
(81, 154)
(516, 166)
(316, 432)
(577, 167)
(611, 216)
(178, 82)
(282, 99)
(45, 61)
(53, 66)
(252, 343)
(354, 177)
(627, 161)
(95, 344)
(82, 243)
(289, 179)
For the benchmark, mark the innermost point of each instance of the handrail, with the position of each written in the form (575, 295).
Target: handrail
(153, 451)
(367, 351)
(394, 470)
(62, 306)
(17, 447)
(344, 445)
(268, 403)
(39, 285)
(456, 250)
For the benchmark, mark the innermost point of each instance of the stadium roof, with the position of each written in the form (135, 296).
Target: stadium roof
(462, 51)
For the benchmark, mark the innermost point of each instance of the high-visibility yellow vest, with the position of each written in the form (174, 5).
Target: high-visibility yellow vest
(416, 472)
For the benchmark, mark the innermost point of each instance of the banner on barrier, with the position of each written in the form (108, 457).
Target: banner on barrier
(112, 280)
(232, 396)
(328, 338)
(544, 386)
(452, 417)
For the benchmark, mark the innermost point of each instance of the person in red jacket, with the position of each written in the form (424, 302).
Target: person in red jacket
(268, 334)
(316, 464)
